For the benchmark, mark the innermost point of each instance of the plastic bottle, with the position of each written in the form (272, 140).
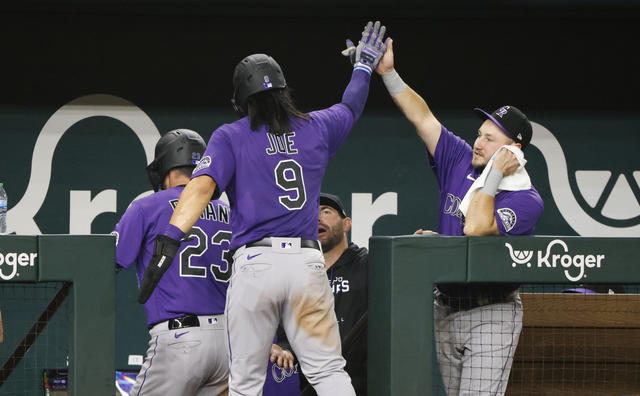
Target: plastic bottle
(3, 210)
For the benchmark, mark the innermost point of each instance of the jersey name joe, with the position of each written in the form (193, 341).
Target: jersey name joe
(274, 179)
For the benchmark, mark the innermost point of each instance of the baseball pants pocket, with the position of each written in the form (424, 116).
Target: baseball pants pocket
(184, 346)
(255, 267)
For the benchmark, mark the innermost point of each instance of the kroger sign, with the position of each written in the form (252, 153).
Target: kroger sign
(557, 255)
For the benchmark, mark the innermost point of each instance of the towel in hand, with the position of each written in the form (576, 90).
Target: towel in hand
(519, 180)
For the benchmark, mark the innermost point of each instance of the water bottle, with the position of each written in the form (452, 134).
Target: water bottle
(3, 210)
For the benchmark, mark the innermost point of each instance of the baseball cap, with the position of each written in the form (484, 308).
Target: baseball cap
(511, 121)
(334, 202)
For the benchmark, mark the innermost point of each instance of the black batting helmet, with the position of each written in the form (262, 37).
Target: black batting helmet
(255, 73)
(177, 148)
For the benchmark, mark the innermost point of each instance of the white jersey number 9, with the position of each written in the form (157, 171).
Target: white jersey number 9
(289, 177)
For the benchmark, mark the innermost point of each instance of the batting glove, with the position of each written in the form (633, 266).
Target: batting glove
(371, 47)
(164, 251)
(350, 51)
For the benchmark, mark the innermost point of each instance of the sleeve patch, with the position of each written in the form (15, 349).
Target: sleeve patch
(205, 162)
(508, 218)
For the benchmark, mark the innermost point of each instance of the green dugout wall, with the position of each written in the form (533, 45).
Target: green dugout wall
(404, 269)
(88, 262)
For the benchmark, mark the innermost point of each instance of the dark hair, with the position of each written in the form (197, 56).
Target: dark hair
(273, 108)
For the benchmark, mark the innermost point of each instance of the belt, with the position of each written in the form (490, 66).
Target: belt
(184, 322)
(305, 243)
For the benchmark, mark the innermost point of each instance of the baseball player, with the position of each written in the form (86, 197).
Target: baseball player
(346, 266)
(476, 326)
(188, 352)
(271, 163)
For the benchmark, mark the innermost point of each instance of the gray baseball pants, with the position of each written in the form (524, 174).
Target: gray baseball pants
(475, 347)
(187, 361)
(287, 284)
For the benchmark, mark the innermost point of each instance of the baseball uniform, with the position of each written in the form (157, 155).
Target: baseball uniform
(477, 326)
(188, 352)
(348, 278)
(273, 184)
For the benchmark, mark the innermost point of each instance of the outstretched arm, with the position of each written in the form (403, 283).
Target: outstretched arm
(409, 102)
(366, 57)
(355, 95)
(194, 198)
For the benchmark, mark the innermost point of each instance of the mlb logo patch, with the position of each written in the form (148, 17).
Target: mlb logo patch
(267, 83)
(285, 245)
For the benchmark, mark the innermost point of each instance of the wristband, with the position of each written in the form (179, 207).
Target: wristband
(493, 180)
(173, 232)
(393, 82)
(363, 67)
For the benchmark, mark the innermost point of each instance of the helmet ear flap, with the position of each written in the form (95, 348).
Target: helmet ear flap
(155, 175)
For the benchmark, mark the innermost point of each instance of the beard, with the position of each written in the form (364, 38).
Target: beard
(333, 238)
(479, 168)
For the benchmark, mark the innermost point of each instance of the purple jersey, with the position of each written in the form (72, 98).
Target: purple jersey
(273, 182)
(516, 211)
(196, 282)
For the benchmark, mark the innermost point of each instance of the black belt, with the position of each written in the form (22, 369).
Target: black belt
(184, 322)
(305, 243)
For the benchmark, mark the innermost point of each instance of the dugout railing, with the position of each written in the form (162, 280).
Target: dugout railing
(404, 269)
(87, 264)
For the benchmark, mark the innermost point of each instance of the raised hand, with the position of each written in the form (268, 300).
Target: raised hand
(386, 63)
(371, 47)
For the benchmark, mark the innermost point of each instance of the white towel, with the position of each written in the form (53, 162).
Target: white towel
(519, 180)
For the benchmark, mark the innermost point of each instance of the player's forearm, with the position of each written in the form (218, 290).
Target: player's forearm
(355, 95)
(193, 200)
(415, 108)
(480, 219)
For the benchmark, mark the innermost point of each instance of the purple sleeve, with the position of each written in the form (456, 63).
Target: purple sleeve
(218, 161)
(129, 233)
(450, 152)
(355, 95)
(517, 212)
(335, 122)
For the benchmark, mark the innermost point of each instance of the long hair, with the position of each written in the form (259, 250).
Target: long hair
(273, 108)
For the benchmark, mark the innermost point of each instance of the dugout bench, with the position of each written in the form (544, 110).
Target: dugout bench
(88, 264)
(404, 269)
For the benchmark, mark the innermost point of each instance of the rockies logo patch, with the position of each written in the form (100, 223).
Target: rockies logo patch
(508, 218)
(205, 162)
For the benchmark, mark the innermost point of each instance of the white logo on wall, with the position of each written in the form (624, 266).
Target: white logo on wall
(621, 204)
(13, 260)
(559, 258)
(83, 209)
